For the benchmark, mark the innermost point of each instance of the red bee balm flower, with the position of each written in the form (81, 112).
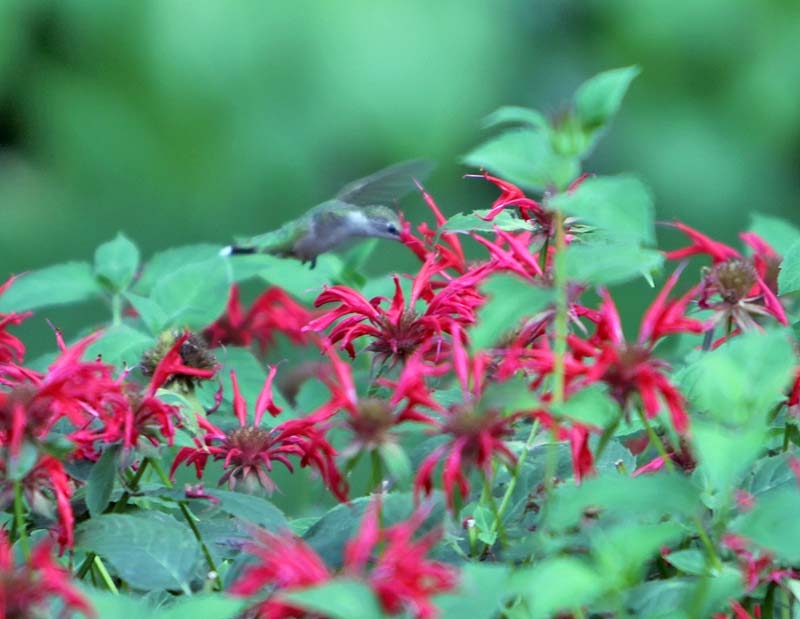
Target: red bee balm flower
(249, 450)
(11, 348)
(27, 590)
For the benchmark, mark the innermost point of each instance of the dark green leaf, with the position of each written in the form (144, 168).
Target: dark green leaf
(556, 584)
(511, 114)
(70, 282)
(134, 544)
(340, 598)
(194, 295)
(251, 508)
(510, 299)
(621, 205)
(167, 262)
(610, 263)
(780, 234)
(101, 481)
(599, 98)
(115, 262)
(525, 157)
(789, 275)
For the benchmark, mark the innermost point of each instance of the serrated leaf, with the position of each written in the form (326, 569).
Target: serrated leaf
(780, 234)
(70, 282)
(556, 584)
(474, 222)
(599, 98)
(115, 262)
(525, 157)
(621, 205)
(134, 544)
(743, 378)
(194, 295)
(100, 483)
(510, 299)
(789, 275)
(167, 262)
(608, 264)
(340, 598)
(512, 114)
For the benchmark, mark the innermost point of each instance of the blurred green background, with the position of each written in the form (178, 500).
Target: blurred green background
(181, 122)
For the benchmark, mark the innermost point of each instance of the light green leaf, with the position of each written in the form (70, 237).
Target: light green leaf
(780, 234)
(149, 311)
(115, 262)
(474, 222)
(607, 264)
(134, 545)
(482, 588)
(590, 405)
(251, 508)
(194, 295)
(70, 282)
(510, 299)
(167, 262)
(525, 157)
(689, 561)
(512, 114)
(773, 523)
(207, 606)
(120, 346)
(789, 275)
(340, 598)
(599, 98)
(621, 205)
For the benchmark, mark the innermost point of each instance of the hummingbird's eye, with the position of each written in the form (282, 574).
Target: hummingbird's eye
(392, 229)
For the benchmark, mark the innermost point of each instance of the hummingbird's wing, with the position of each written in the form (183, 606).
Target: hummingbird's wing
(387, 185)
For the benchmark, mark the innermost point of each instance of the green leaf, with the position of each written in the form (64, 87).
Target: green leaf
(474, 222)
(599, 98)
(789, 275)
(770, 473)
(525, 157)
(298, 279)
(689, 561)
(340, 598)
(621, 205)
(153, 317)
(510, 299)
(167, 262)
(120, 346)
(724, 454)
(134, 544)
(115, 263)
(70, 282)
(205, 605)
(512, 114)
(737, 383)
(100, 483)
(646, 496)
(251, 508)
(556, 584)
(250, 373)
(591, 405)
(773, 524)
(480, 592)
(780, 234)
(109, 605)
(607, 264)
(396, 461)
(194, 295)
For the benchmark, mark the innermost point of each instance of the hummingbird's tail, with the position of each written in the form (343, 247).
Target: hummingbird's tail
(236, 250)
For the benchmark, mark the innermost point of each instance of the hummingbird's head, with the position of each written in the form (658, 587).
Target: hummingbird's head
(381, 221)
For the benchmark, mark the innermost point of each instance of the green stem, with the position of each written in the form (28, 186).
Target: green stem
(109, 582)
(712, 552)
(19, 520)
(116, 310)
(488, 497)
(656, 441)
(515, 477)
(376, 474)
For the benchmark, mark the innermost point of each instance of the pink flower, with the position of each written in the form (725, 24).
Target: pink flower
(26, 590)
(249, 450)
(12, 350)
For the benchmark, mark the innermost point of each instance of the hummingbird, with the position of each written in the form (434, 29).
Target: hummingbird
(359, 210)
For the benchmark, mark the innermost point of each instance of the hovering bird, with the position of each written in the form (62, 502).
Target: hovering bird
(359, 210)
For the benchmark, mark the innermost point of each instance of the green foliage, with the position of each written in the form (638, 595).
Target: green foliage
(339, 599)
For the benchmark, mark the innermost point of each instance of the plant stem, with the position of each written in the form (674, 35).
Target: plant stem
(515, 476)
(109, 582)
(19, 520)
(712, 552)
(116, 310)
(656, 441)
(488, 497)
